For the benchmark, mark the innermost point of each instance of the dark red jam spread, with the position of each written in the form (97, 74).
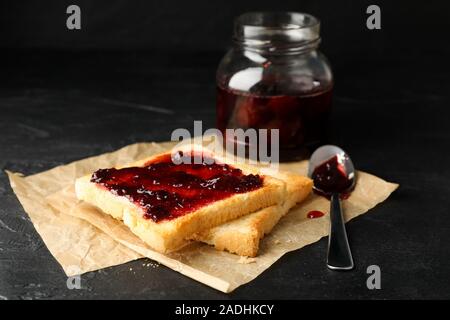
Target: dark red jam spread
(332, 178)
(315, 214)
(165, 190)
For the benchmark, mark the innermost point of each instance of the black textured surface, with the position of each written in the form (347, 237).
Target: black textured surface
(87, 104)
(391, 113)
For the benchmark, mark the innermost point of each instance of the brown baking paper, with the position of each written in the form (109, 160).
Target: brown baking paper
(83, 239)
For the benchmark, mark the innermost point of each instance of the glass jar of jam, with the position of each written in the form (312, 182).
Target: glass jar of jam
(275, 78)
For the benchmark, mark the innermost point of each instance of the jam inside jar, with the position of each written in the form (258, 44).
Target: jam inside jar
(274, 78)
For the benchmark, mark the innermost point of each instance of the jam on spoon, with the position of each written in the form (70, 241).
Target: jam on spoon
(332, 177)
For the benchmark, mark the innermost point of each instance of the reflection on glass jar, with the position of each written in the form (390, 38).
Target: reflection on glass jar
(274, 78)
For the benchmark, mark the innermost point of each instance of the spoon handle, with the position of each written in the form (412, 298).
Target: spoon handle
(339, 254)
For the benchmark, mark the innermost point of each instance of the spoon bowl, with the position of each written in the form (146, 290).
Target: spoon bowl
(324, 154)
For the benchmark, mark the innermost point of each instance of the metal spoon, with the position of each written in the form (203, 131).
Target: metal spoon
(339, 256)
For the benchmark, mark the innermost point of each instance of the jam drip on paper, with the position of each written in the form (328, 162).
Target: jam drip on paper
(315, 214)
(166, 190)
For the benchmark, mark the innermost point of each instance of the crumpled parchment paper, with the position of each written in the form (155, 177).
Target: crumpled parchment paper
(83, 239)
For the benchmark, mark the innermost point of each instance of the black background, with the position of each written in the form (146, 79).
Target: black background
(66, 95)
(204, 26)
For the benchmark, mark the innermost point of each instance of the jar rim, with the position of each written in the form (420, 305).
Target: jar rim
(276, 29)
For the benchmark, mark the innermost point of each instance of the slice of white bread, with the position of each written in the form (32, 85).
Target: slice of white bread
(242, 236)
(169, 235)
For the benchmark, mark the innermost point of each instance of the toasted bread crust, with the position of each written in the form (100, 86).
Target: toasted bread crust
(167, 236)
(242, 236)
